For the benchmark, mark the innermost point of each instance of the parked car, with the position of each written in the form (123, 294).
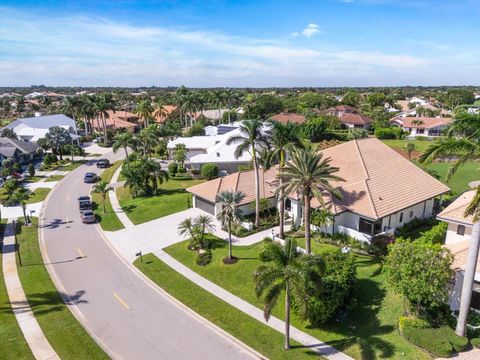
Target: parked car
(103, 163)
(88, 217)
(90, 178)
(85, 205)
(84, 198)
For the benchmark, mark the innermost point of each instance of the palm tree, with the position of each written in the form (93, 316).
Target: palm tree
(284, 136)
(187, 227)
(230, 213)
(286, 271)
(462, 142)
(251, 138)
(102, 188)
(265, 159)
(180, 154)
(309, 174)
(409, 148)
(104, 102)
(72, 107)
(21, 196)
(145, 111)
(205, 225)
(122, 140)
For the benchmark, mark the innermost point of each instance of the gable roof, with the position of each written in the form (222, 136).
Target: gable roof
(44, 122)
(346, 108)
(355, 119)
(9, 146)
(454, 212)
(285, 117)
(426, 122)
(378, 181)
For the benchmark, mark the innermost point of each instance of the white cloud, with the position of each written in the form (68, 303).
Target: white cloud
(348, 1)
(310, 30)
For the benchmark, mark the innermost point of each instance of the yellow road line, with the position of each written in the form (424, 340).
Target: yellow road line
(119, 299)
(80, 253)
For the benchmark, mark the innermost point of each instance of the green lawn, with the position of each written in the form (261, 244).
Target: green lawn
(65, 334)
(70, 166)
(12, 342)
(32, 179)
(369, 331)
(109, 220)
(54, 178)
(38, 195)
(459, 182)
(400, 144)
(171, 199)
(248, 330)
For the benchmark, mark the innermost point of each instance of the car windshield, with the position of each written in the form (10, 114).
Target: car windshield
(84, 198)
(88, 213)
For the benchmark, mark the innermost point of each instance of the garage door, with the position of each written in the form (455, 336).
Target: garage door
(205, 205)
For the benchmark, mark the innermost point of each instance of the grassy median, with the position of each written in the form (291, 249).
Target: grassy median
(63, 331)
(255, 334)
(39, 194)
(12, 343)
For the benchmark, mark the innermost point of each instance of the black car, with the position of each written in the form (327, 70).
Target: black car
(84, 198)
(90, 178)
(103, 163)
(85, 205)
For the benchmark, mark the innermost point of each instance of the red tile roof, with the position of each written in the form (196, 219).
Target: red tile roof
(355, 119)
(284, 117)
(425, 122)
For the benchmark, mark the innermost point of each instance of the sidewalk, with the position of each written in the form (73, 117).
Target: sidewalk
(32, 332)
(112, 195)
(275, 323)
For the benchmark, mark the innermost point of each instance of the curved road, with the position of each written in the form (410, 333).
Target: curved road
(129, 317)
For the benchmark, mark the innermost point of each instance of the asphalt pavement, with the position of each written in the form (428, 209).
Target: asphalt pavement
(125, 314)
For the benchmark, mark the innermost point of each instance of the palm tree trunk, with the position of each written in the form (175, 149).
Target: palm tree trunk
(104, 199)
(468, 278)
(85, 123)
(287, 317)
(229, 240)
(282, 202)
(306, 223)
(104, 123)
(24, 208)
(257, 191)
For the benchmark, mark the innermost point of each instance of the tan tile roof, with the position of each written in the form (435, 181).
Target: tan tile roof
(343, 108)
(427, 122)
(460, 253)
(241, 181)
(168, 110)
(284, 117)
(355, 119)
(378, 180)
(454, 211)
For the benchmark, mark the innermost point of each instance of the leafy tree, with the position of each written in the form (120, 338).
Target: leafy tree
(9, 133)
(251, 138)
(456, 97)
(434, 236)
(230, 213)
(197, 129)
(31, 170)
(310, 175)
(56, 138)
(316, 100)
(409, 149)
(263, 107)
(10, 186)
(102, 188)
(419, 273)
(286, 270)
(209, 171)
(351, 98)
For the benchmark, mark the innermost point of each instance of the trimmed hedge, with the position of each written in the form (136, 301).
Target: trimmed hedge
(441, 342)
(476, 342)
(209, 171)
(388, 133)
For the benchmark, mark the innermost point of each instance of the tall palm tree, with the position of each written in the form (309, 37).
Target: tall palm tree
(251, 138)
(265, 159)
(104, 102)
(284, 137)
(72, 106)
(102, 188)
(462, 142)
(122, 141)
(286, 271)
(144, 110)
(148, 138)
(88, 112)
(21, 195)
(230, 213)
(309, 174)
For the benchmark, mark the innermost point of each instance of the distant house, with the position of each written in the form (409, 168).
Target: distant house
(118, 120)
(422, 126)
(285, 117)
(382, 190)
(458, 238)
(18, 150)
(34, 128)
(169, 112)
(349, 117)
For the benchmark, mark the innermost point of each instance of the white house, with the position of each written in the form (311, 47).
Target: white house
(459, 235)
(34, 128)
(421, 126)
(382, 190)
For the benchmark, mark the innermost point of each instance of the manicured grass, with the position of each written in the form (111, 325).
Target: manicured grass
(368, 331)
(248, 330)
(32, 179)
(71, 166)
(172, 198)
(38, 195)
(400, 144)
(65, 334)
(109, 220)
(459, 182)
(54, 178)
(12, 342)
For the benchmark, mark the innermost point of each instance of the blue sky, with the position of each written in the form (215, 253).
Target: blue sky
(240, 43)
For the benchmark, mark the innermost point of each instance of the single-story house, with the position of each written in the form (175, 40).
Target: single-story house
(458, 238)
(18, 150)
(382, 190)
(285, 117)
(340, 110)
(349, 117)
(119, 119)
(422, 126)
(169, 111)
(34, 128)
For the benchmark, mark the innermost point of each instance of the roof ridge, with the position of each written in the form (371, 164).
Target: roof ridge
(372, 204)
(238, 179)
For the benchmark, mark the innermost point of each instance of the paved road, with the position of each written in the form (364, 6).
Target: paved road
(131, 318)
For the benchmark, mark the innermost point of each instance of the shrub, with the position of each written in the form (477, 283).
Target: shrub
(421, 138)
(182, 169)
(428, 339)
(181, 177)
(357, 134)
(379, 245)
(476, 342)
(86, 138)
(209, 171)
(172, 169)
(436, 235)
(195, 171)
(31, 170)
(388, 133)
(204, 258)
(244, 167)
(17, 167)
